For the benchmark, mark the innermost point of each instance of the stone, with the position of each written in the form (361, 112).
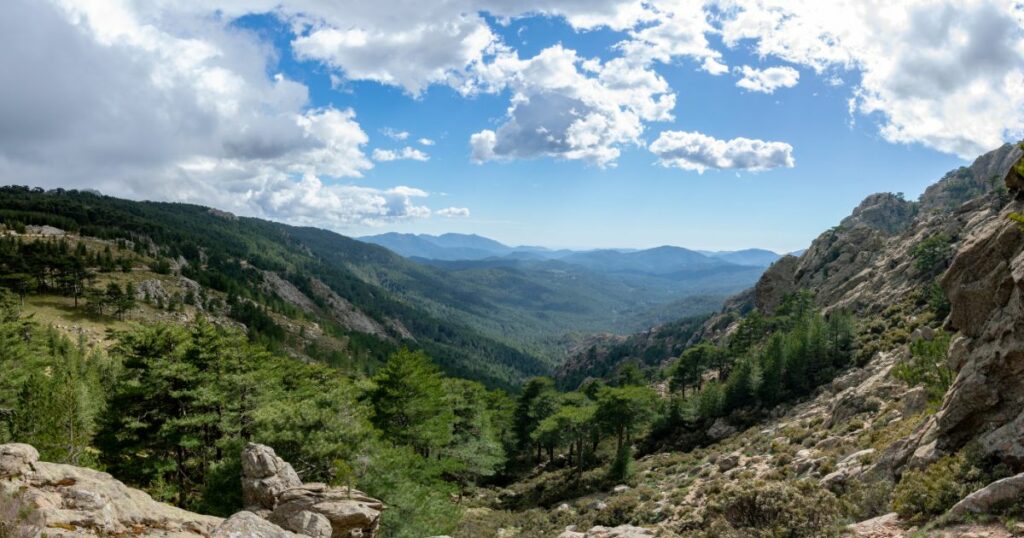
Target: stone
(986, 500)
(41, 496)
(622, 531)
(621, 488)
(913, 401)
(265, 476)
(720, 429)
(728, 462)
(249, 525)
(16, 459)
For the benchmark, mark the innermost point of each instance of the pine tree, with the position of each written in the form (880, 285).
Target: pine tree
(408, 402)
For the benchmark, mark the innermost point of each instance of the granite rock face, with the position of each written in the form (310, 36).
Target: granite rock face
(271, 486)
(39, 498)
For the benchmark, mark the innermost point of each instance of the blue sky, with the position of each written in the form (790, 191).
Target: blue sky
(273, 112)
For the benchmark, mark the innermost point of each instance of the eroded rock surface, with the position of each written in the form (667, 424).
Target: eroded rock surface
(39, 498)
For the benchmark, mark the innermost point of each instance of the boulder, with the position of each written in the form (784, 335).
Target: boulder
(622, 531)
(16, 459)
(64, 500)
(728, 462)
(264, 477)
(994, 496)
(720, 429)
(269, 483)
(249, 525)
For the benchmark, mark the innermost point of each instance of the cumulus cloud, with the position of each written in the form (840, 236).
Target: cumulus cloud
(767, 80)
(407, 153)
(568, 107)
(426, 142)
(946, 74)
(699, 152)
(101, 96)
(394, 134)
(453, 212)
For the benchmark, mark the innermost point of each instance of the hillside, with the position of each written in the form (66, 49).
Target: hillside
(319, 294)
(906, 426)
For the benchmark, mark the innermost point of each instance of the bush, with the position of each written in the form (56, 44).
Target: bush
(777, 509)
(926, 366)
(931, 255)
(622, 467)
(929, 492)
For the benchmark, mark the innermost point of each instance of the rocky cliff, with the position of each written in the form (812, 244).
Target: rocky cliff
(48, 499)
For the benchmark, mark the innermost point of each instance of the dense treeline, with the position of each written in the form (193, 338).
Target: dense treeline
(169, 408)
(767, 360)
(228, 254)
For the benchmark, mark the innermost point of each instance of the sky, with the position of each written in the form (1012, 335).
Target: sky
(723, 124)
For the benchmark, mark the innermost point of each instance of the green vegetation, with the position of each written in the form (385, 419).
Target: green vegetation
(767, 361)
(926, 366)
(770, 509)
(169, 407)
(932, 255)
(923, 494)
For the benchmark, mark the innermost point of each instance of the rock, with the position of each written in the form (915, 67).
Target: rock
(884, 526)
(249, 525)
(856, 457)
(728, 462)
(621, 488)
(346, 513)
(913, 401)
(264, 477)
(65, 500)
(922, 333)
(720, 429)
(622, 531)
(988, 499)
(775, 284)
(16, 459)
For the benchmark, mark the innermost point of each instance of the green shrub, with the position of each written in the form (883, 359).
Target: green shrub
(777, 509)
(926, 366)
(929, 492)
(931, 255)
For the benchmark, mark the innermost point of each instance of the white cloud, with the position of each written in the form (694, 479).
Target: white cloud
(678, 29)
(97, 95)
(453, 212)
(696, 151)
(406, 153)
(426, 142)
(946, 74)
(767, 80)
(394, 134)
(568, 107)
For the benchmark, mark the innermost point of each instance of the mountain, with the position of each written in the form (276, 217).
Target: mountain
(915, 431)
(756, 257)
(655, 261)
(449, 246)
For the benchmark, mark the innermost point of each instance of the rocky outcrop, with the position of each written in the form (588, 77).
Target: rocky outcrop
(775, 284)
(991, 498)
(39, 498)
(884, 212)
(271, 487)
(622, 531)
(985, 286)
(63, 500)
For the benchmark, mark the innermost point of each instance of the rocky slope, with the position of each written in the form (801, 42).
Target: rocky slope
(839, 456)
(49, 499)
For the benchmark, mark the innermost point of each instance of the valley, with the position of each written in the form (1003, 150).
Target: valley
(476, 390)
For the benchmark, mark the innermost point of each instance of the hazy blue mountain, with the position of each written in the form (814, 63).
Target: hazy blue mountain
(758, 257)
(655, 261)
(449, 246)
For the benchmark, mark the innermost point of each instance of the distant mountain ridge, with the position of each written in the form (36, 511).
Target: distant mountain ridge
(658, 260)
